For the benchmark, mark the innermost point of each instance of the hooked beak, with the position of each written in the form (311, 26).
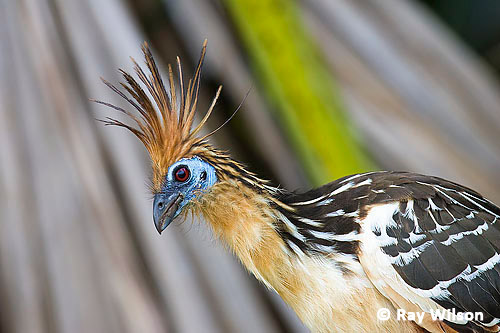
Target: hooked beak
(164, 209)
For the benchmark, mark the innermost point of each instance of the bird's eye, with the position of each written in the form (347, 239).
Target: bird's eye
(182, 174)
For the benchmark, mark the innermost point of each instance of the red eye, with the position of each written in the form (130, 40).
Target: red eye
(182, 174)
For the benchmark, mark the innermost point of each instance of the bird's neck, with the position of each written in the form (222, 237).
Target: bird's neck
(249, 224)
(244, 221)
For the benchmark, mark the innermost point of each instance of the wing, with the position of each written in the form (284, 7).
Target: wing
(431, 244)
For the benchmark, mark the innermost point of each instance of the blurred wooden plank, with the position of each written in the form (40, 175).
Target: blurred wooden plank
(79, 253)
(469, 80)
(385, 85)
(21, 279)
(420, 88)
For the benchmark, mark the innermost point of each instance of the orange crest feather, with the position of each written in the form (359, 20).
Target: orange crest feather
(165, 126)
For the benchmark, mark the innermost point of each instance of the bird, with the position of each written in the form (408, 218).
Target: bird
(380, 251)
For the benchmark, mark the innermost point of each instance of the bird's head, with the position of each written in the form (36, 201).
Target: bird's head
(184, 181)
(185, 166)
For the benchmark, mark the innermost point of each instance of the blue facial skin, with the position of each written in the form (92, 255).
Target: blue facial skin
(175, 194)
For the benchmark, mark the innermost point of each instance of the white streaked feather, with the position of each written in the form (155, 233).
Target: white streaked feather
(438, 227)
(433, 205)
(414, 238)
(309, 202)
(456, 237)
(335, 213)
(440, 190)
(439, 290)
(380, 216)
(352, 214)
(492, 323)
(310, 222)
(295, 248)
(325, 248)
(351, 178)
(405, 258)
(466, 274)
(484, 267)
(386, 240)
(352, 236)
(382, 274)
(342, 188)
(474, 202)
(448, 211)
(359, 175)
(292, 228)
(410, 212)
(325, 202)
(364, 182)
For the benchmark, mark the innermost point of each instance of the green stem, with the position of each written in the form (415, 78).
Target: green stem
(300, 88)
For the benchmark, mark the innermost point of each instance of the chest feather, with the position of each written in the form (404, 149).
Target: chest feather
(324, 296)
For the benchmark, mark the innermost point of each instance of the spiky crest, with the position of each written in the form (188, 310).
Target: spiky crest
(165, 122)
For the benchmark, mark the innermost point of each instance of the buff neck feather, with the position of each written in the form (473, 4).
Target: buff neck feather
(244, 222)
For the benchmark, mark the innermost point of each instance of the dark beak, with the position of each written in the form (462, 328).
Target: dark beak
(164, 209)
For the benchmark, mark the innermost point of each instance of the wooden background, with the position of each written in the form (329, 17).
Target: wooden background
(78, 249)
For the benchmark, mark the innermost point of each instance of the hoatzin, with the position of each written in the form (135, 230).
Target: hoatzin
(410, 245)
